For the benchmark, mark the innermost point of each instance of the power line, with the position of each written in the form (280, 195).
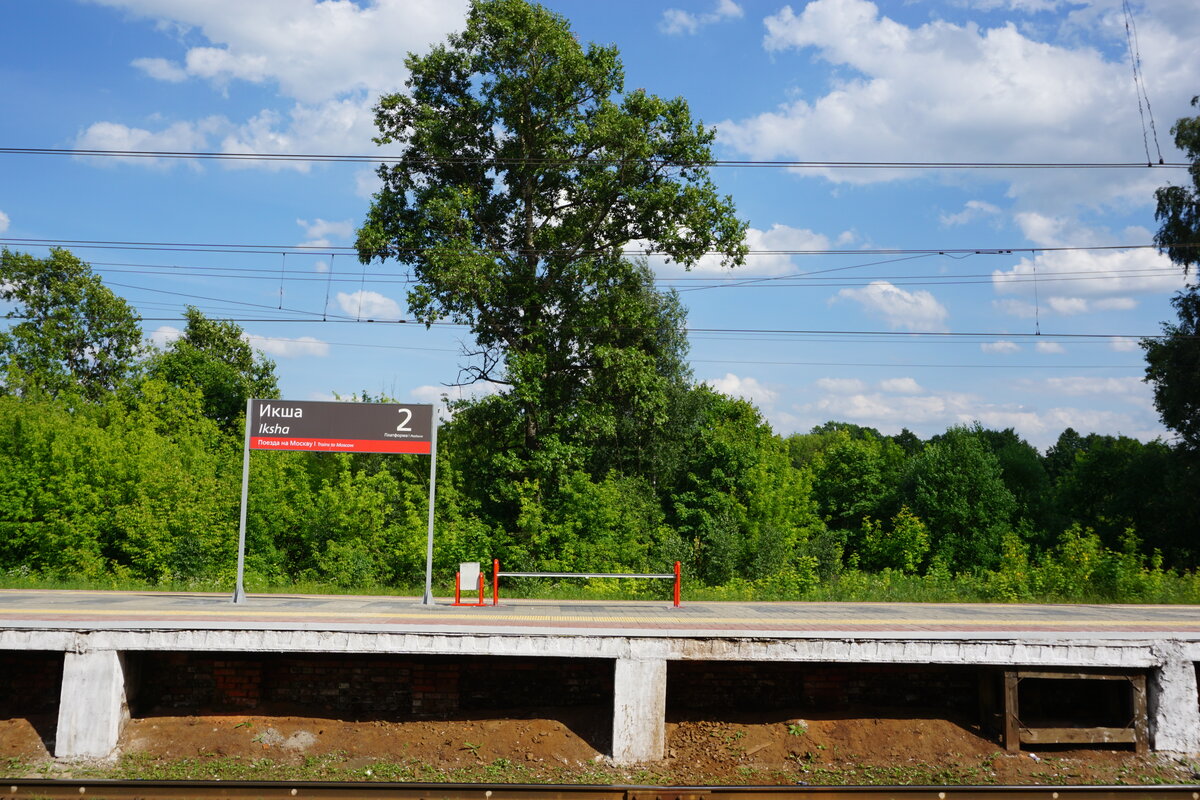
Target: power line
(499, 162)
(197, 247)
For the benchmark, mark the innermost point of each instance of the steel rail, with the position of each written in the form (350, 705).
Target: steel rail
(15, 789)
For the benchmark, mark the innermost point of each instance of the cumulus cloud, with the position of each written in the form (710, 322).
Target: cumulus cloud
(164, 335)
(177, 137)
(1053, 348)
(774, 239)
(320, 233)
(438, 394)
(369, 305)
(1071, 282)
(901, 386)
(970, 93)
(746, 388)
(4, 222)
(900, 309)
(840, 385)
(972, 211)
(160, 69)
(283, 347)
(1001, 346)
(676, 22)
(328, 60)
(311, 49)
(1124, 344)
(928, 413)
(1084, 386)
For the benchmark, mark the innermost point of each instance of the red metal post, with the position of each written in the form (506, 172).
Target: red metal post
(457, 588)
(495, 581)
(677, 584)
(480, 587)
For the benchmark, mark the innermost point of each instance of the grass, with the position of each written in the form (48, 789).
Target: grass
(340, 767)
(850, 585)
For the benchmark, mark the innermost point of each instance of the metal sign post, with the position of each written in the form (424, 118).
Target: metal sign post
(338, 428)
(427, 600)
(239, 591)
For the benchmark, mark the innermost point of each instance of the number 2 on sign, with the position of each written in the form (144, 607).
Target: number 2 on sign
(403, 426)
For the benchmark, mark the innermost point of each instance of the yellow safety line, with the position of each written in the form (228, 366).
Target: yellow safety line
(698, 623)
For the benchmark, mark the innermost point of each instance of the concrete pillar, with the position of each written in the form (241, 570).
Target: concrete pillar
(639, 710)
(1174, 706)
(93, 706)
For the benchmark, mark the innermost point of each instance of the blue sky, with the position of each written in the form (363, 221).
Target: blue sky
(920, 341)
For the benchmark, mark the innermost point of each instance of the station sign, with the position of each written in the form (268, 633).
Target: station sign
(327, 427)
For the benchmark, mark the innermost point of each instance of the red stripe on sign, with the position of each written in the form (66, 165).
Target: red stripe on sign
(338, 445)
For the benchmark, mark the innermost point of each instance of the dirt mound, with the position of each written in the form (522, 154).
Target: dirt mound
(567, 745)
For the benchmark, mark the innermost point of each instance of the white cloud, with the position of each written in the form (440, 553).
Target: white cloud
(319, 231)
(969, 93)
(902, 310)
(333, 58)
(972, 210)
(1053, 348)
(438, 396)
(901, 386)
(160, 69)
(1124, 344)
(283, 347)
(183, 137)
(4, 222)
(840, 385)
(313, 50)
(369, 305)
(164, 335)
(1102, 387)
(1001, 346)
(746, 388)
(1067, 306)
(777, 238)
(931, 413)
(1070, 282)
(676, 21)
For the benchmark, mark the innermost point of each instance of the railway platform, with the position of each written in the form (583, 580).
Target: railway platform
(98, 635)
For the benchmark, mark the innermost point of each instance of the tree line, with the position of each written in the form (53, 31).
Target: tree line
(526, 174)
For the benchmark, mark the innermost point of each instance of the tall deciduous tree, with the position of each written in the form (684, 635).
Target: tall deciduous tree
(1173, 360)
(213, 356)
(1178, 208)
(527, 172)
(74, 334)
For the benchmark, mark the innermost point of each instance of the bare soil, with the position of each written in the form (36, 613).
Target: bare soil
(567, 745)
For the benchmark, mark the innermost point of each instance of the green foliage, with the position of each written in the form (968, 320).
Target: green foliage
(526, 170)
(1173, 368)
(212, 356)
(1178, 207)
(903, 548)
(956, 487)
(74, 334)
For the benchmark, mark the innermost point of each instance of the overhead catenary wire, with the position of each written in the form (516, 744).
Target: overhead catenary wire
(393, 158)
(199, 247)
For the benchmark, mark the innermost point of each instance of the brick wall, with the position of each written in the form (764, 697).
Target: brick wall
(762, 686)
(364, 685)
(30, 682)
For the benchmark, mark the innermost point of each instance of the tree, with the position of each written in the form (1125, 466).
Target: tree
(527, 172)
(1173, 369)
(1178, 207)
(955, 486)
(74, 333)
(212, 356)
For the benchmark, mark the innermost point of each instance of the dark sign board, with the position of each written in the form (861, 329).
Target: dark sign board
(340, 427)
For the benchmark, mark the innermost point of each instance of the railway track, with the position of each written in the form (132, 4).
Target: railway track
(12, 789)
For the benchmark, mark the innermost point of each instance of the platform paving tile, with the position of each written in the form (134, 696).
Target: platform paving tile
(155, 610)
